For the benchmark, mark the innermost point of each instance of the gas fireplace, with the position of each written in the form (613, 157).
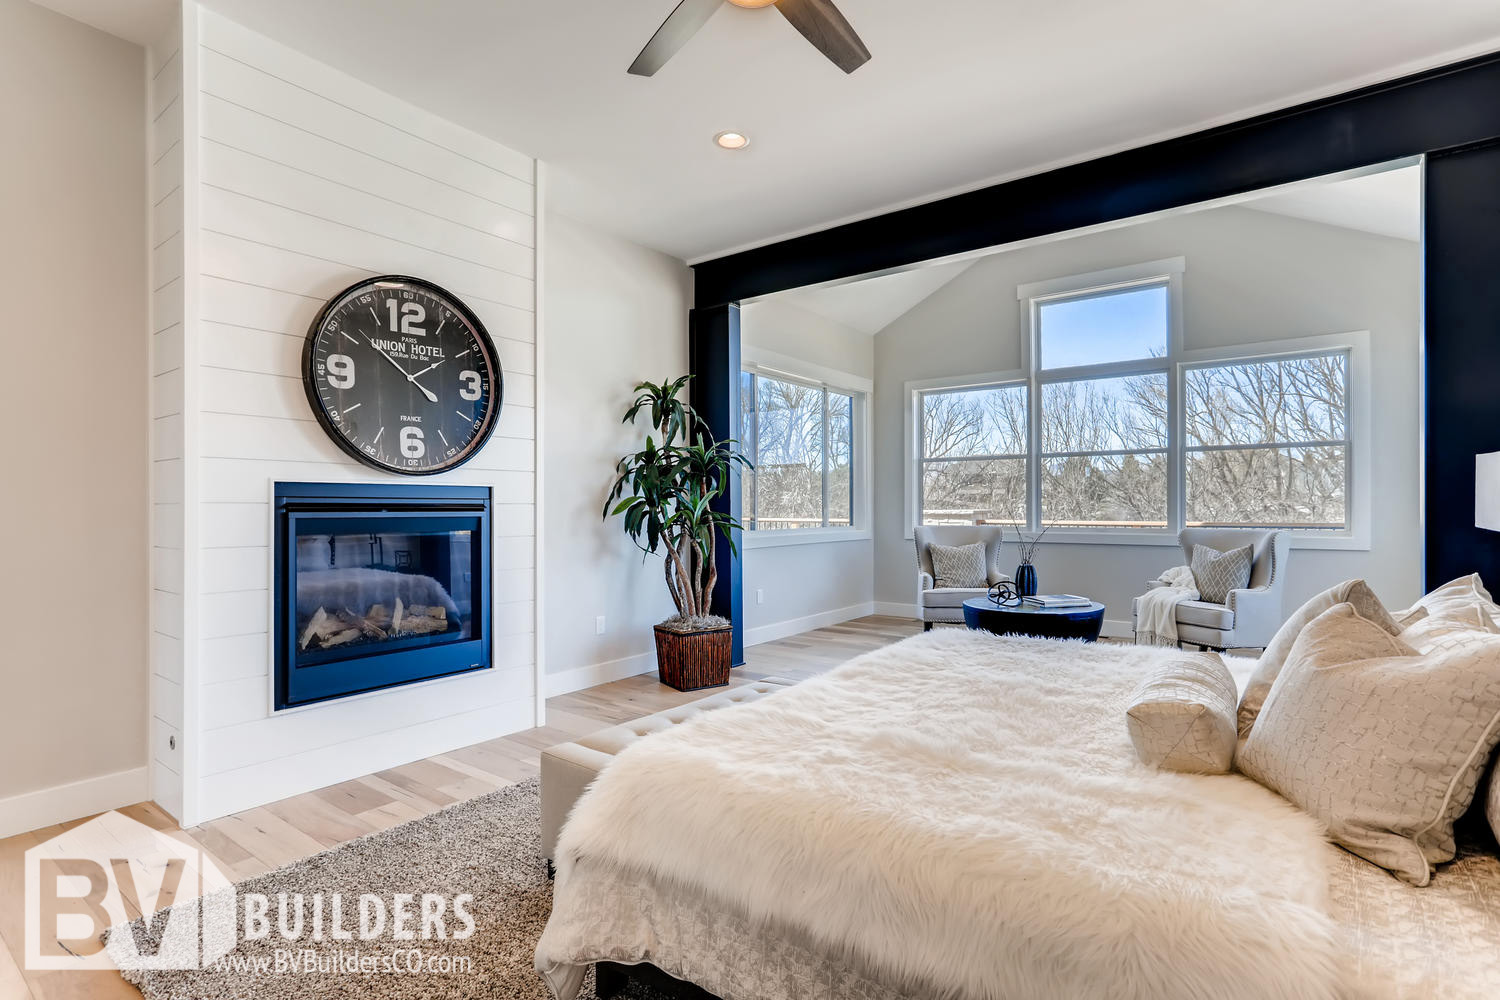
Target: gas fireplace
(378, 586)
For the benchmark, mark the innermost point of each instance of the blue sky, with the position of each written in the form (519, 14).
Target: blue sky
(1102, 328)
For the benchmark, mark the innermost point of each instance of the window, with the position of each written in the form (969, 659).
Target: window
(1102, 368)
(973, 455)
(1268, 443)
(801, 438)
(1114, 431)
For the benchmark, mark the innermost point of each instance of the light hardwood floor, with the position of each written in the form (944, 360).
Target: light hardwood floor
(273, 835)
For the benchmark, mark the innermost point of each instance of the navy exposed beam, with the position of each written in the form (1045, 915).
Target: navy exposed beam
(1450, 115)
(714, 361)
(1439, 109)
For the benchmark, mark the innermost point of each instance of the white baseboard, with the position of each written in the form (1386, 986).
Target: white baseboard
(568, 681)
(1114, 629)
(46, 806)
(796, 626)
(892, 609)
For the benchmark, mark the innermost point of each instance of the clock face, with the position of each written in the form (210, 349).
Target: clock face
(402, 376)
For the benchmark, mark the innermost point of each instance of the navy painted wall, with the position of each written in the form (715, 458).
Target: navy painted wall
(1461, 342)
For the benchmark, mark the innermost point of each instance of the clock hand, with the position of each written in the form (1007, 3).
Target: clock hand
(429, 368)
(425, 391)
(431, 398)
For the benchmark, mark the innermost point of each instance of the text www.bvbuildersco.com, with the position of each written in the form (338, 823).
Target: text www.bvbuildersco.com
(303, 961)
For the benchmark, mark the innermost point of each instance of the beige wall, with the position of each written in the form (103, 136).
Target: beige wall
(613, 314)
(73, 205)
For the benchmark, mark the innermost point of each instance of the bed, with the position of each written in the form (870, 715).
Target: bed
(961, 815)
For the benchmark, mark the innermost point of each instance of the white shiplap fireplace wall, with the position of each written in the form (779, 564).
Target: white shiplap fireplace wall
(277, 181)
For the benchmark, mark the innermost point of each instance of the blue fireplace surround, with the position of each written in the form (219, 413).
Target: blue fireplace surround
(353, 551)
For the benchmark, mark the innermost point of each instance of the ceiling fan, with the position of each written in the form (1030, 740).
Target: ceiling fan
(819, 21)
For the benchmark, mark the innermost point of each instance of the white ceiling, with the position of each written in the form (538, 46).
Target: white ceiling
(1387, 203)
(959, 92)
(869, 305)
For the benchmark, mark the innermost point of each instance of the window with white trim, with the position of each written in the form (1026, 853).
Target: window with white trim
(801, 437)
(1101, 368)
(1267, 442)
(1114, 430)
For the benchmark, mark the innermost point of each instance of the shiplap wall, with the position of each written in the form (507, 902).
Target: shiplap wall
(165, 146)
(307, 181)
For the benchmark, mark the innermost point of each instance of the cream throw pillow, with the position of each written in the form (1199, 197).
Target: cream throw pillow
(1453, 626)
(1355, 592)
(1182, 716)
(1492, 801)
(958, 566)
(1384, 746)
(1455, 593)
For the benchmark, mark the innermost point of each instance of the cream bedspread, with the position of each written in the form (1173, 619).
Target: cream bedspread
(957, 815)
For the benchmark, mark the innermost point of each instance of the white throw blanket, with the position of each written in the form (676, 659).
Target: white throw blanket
(1156, 609)
(964, 815)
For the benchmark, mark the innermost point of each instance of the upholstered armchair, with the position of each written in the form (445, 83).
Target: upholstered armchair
(1251, 616)
(946, 604)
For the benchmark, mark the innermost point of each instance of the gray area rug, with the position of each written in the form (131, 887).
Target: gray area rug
(489, 846)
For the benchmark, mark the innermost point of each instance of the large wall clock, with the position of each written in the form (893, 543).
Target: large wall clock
(402, 375)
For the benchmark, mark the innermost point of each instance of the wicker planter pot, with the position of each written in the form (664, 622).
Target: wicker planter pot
(689, 661)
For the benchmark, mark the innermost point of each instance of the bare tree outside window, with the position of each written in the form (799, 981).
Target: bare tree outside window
(1267, 443)
(801, 439)
(1104, 456)
(973, 462)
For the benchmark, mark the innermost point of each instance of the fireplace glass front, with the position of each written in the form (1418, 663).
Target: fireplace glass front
(379, 590)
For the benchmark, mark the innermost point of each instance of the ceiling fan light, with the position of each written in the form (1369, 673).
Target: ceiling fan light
(752, 4)
(732, 140)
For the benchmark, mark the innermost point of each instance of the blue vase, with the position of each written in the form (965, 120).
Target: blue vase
(1026, 580)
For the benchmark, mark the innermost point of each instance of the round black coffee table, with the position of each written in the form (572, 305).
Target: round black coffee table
(981, 613)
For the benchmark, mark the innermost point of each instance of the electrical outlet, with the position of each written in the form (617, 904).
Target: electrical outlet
(599, 625)
(760, 596)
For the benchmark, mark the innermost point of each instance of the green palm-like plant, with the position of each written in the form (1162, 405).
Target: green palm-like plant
(665, 492)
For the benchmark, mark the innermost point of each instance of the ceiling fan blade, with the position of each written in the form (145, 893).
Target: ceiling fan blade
(831, 34)
(680, 25)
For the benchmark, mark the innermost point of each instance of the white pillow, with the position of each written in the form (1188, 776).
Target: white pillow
(1464, 590)
(1452, 626)
(1384, 746)
(1355, 592)
(1182, 715)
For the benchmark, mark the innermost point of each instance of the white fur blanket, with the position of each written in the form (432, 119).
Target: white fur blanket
(964, 814)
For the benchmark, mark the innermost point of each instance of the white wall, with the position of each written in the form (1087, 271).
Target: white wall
(1251, 276)
(73, 205)
(615, 314)
(790, 588)
(300, 180)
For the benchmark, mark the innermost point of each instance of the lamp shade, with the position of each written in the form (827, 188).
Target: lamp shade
(1487, 491)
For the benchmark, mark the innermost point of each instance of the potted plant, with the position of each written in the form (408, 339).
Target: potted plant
(665, 493)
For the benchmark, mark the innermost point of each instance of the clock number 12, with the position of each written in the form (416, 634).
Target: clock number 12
(405, 318)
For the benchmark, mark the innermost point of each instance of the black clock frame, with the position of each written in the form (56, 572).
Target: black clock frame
(497, 374)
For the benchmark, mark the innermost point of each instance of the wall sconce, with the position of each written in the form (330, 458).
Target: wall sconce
(1487, 491)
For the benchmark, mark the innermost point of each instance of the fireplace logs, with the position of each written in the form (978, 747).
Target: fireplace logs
(327, 629)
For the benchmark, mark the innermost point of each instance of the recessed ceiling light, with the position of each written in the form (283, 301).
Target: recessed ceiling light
(752, 4)
(732, 140)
